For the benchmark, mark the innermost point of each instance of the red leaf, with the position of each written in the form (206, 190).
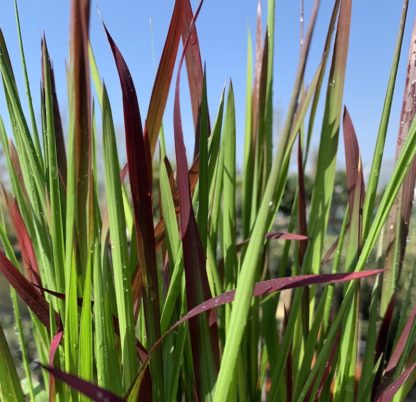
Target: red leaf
(193, 67)
(140, 173)
(391, 390)
(276, 285)
(25, 290)
(261, 289)
(285, 236)
(197, 288)
(25, 244)
(59, 132)
(164, 74)
(93, 391)
(382, 340)
(404, 337)
(52, 351)
(353, 163)
(328, 367)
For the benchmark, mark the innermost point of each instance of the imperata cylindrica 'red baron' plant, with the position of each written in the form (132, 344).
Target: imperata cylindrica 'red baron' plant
(165, 286)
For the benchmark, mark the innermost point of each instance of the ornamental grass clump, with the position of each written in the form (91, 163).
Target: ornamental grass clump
(166, 287)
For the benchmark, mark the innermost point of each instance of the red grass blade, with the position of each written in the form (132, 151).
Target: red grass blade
(261, 289)
(391, 390)
(140, 172)
(93, 391)
(80, 76)
(276, 236)
(141, 350)
(384, 329)
(193, 67)
(285, 236)
(52, 352)
(25, 244)
(352, 160)
(404, 337)
(278, 284)
(382, 340)
(197, 288)
(164, 76)
(328, 367)
(29, 294)
(59, 132)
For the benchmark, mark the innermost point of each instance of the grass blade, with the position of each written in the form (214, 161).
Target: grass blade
(88, 389)
(10, 388)
(164, 76)
(140, 172)
(119, 246)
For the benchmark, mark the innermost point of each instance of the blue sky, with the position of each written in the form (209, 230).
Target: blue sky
(222, 29)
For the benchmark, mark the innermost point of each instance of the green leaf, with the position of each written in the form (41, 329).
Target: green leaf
(9, 381)
(118, 241)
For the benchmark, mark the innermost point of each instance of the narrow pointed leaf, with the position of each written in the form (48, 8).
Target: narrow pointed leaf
(29, 294)
(140, 173)
(164, 76)
(94, 392)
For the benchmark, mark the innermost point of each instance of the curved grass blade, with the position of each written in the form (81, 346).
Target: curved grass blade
(261, 289)
(29, 294)
(86, 388)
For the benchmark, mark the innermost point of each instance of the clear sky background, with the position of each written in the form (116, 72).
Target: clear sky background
(222, 29)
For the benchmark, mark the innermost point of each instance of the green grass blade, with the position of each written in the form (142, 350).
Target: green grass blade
(107, 362)
(245, 284)
(9, 380)
(27, 86)
(382, 131)
(86, 369)
(229, 192)
(248, 143)
(118, 245)
(392, 189)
